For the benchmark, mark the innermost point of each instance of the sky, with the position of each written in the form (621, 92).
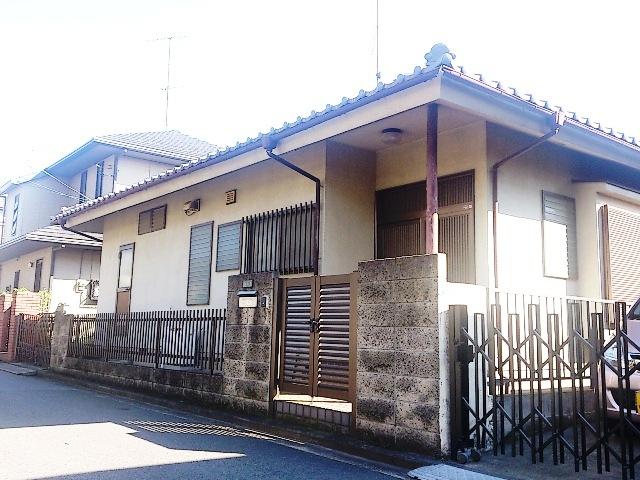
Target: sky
(71, 70)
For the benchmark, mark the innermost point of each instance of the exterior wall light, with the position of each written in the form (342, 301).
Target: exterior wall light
(391, 136)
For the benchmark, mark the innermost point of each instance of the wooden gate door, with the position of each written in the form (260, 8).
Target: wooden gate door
(318, 320)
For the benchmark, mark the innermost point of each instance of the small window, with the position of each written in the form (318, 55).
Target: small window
(83, 187)
(199, 277)
(152, 220)
(229, 244)
(37, 280)
(560, 254)
(16, 211)
(125, 269)
(16, 279)
(99, 177)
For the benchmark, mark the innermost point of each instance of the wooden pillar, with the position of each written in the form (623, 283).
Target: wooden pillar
(432, 180)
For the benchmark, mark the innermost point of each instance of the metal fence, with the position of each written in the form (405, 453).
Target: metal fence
(280, 240)
(186, 339)
(33, 342)
(534, 376)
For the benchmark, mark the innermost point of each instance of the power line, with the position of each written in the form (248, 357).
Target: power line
(53, 191)
(81, 195)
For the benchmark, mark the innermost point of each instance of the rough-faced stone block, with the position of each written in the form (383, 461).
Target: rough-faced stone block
(257, 371)
(381, 433)
(234, 351)
(416, 314)
(233, 368)
(417, 439)
(371, 385)
(417, 364)
(419, 390)
(253, 389)
(418, 266)
(377, 338)
(422, 339)
(377, 314)
(377, 270)
(418, 415)
(259, 334)
(376, 409)
(236, 334)
(258, 352)
(376, 361)
(376, 292)
(414, 290)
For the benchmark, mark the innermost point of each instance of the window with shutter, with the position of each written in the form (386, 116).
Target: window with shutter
(37, 280)
(559, 242)
(16, 212)
(228, 246)
(152, 220)
(199, 277)
(99, 177)
(401, 223)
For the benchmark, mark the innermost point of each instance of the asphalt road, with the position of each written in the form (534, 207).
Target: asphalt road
(53, 430)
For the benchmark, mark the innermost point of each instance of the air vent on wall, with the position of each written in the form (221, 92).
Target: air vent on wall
(230, 197)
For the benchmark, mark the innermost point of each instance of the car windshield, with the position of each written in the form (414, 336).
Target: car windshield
(634, 314)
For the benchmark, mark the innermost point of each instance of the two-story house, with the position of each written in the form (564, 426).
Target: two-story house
(65, 264)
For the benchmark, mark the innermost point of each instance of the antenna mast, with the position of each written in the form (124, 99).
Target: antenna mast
(377, 41)
(168, 38)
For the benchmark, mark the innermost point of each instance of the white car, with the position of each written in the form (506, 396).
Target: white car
(630, 399)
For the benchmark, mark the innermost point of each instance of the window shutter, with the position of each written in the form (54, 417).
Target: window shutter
(199, 281)
(144, 222)
(228, 250)
(559, 236)
(623, 254)
(152, 220)
(158, 218)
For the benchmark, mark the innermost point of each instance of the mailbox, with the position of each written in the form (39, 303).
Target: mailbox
(247, 299)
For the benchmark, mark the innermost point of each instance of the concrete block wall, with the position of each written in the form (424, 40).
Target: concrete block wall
(398, 352)
(247, 348)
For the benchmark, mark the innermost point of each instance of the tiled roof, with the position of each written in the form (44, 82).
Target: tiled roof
(54, 234)
(170, 143)
(419, 75)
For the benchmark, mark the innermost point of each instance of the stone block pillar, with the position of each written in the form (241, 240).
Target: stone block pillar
(399, 348)
(248, 343)
(60, 338)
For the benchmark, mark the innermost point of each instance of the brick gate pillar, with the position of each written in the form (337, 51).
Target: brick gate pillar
(248, 344)
(402, 400)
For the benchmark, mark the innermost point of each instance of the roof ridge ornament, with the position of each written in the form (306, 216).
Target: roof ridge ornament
(438, 56)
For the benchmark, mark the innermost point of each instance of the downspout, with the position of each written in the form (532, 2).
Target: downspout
(558, 121)
(269, 144)
(82, 234)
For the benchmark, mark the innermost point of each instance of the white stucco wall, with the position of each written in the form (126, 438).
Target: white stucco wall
(349, 209)
(161, 258)
(38, 203)
(131, 170)
(27, 273)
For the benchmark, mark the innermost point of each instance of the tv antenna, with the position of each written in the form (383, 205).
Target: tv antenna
(169, 39)
(377, 41)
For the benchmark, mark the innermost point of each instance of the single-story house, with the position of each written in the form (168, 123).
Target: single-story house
(529, 198)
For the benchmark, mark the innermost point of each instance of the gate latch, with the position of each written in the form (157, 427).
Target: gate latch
(314, 325)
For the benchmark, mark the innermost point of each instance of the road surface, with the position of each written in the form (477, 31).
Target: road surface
(50, 429)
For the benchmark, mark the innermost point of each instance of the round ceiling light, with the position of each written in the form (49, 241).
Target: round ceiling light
(391, 136)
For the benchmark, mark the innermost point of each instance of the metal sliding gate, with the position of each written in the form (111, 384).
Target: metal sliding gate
(317, 336)
(544, 378)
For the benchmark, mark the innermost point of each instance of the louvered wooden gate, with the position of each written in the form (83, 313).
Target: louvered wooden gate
(317, 351)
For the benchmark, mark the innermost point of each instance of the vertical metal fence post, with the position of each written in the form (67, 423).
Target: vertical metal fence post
(157, 342)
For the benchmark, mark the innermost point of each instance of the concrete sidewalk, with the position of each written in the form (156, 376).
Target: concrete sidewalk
(18, 369)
